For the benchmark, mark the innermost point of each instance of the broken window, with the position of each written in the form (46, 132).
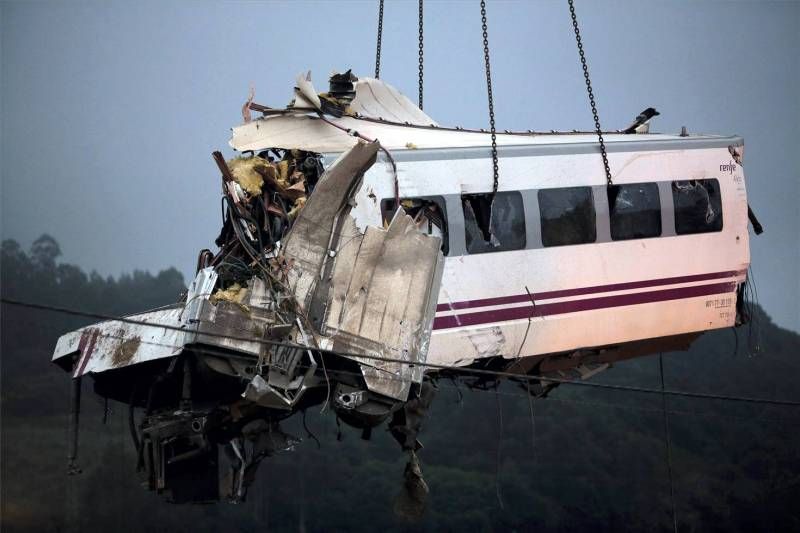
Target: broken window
(493, 226)
(568, 216)
(698, 206)
(428, 212)
(634, 211)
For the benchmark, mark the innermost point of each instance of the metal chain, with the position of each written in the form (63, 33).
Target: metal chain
(589, 90)
(495, 166)
(380, 35)
(420, 54)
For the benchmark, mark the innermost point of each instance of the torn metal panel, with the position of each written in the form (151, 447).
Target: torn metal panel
(379, 100)
(377, 291)
(305, 95)
(382, 302)
(225, 323)
(308, 243)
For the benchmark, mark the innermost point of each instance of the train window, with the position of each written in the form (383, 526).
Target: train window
(634, 211)
(568, 216)
(493, 226)
(698, 206)
(428, 212)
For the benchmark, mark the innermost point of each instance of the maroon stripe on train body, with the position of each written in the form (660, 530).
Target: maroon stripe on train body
(572, 306)
(518, 298)
(89, 349)
(81, 345)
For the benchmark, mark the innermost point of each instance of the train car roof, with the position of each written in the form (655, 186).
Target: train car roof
(380, 112)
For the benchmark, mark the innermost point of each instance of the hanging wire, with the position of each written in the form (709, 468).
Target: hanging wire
(533, 422)
(380, 35)
(495, 165)
(592, 103)
(668, 444)
(498, 457)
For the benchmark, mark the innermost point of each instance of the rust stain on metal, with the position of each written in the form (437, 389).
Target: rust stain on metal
(125, 351)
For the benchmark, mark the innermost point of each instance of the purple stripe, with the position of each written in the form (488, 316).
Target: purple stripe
(87, 352)
(518, 298)
(603, 302)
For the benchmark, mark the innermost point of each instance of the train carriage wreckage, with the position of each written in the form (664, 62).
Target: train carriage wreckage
(362, 256)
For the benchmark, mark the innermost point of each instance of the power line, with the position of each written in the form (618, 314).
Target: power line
(208, 350)
(668, 444)
(432, 366)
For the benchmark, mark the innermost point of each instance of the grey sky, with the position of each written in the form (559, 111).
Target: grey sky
(110, 110)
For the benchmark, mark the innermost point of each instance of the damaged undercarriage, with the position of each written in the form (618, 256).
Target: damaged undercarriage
(314, 300)
(298, 307)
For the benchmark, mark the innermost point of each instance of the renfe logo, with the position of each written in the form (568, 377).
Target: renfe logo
(730, 167)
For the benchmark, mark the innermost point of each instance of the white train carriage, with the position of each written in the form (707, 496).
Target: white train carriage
(557, 271)
(572, 263)
(564, 261)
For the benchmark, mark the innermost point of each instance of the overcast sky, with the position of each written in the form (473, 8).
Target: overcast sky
(110, 110)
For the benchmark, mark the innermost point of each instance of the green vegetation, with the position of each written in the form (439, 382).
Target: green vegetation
(595, 461)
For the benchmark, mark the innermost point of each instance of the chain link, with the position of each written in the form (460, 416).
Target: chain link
(420, 54)
(380, 35)
(589, 90)
(495, 165)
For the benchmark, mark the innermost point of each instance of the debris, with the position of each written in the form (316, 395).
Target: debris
(641, 124)
(298, 205)
(342, 87)
(410, 503)
(234, 294)
(247, 172)
(247, 105)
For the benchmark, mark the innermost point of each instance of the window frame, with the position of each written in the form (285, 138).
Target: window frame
(658, 206)
(521, 224)
(592, 218)
(676, 212)
(439, 200)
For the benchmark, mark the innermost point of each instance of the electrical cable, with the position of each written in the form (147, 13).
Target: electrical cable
(668, 444)
(433, 366)
(208, 350)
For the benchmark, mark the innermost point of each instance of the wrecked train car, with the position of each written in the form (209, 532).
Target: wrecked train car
(364, 252)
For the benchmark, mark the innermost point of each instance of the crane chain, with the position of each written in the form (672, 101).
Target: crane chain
(592, 103)
(420, 54)
(380, 35)
(495, 165)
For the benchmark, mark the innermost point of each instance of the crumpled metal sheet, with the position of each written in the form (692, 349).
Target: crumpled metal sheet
(376, 99)
(373, 99)
(382, 301)
(309, 240)
(365, 294)
(372, 293)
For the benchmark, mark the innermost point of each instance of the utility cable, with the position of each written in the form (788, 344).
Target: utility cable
(432, 366)
(668, 444)
(208, 350)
